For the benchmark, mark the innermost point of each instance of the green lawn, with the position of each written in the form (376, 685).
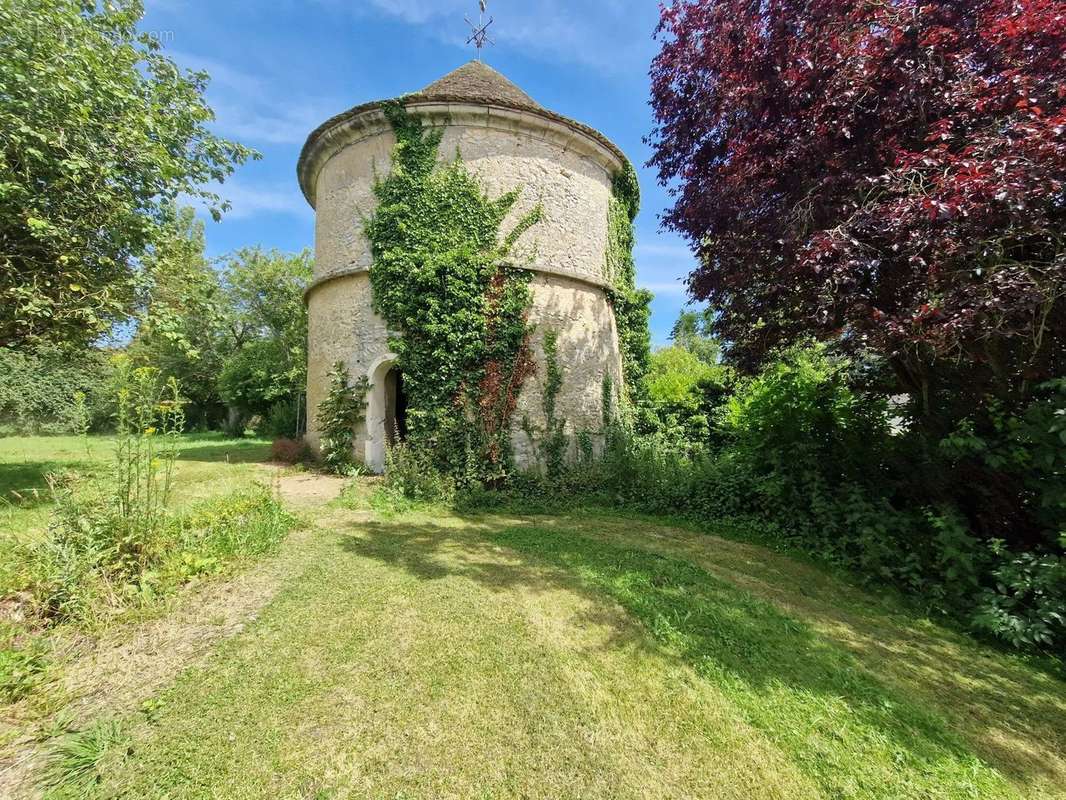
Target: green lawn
(583, 655)
(209, 464)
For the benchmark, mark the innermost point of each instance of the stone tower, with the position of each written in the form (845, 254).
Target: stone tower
(508, 141)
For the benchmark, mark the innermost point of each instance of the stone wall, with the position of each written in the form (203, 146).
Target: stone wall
(341, 326)
(586, 349)
(564, 171)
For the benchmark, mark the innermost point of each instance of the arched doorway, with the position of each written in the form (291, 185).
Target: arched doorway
(395, 407)
(386, 410)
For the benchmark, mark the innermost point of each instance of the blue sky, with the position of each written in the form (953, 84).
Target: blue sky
(279, 69)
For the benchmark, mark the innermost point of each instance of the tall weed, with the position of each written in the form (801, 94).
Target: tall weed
(115, 541)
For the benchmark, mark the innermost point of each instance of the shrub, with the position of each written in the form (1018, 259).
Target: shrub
(803, 404)
(681, 389)
(1026, 605)
(342, 409)
(282, 420)
(412, 478)
(1016, 466)
(255, 377)
(39, 390)
(289, 451)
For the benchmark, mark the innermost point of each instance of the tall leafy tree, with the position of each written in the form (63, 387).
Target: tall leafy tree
(183, 323)
(889, 174)
(267, 321)
(99, 134)
(233, 332)
(694, 331)
(266, 289)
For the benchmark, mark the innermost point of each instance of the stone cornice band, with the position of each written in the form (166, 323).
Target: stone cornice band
(540, 269)
(366, 121)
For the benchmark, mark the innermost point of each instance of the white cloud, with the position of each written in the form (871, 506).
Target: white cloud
(248, 110)
(250, 200)
(595, 33)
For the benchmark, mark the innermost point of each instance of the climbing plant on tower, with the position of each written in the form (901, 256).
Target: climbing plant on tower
(455, 304)
(630, 303)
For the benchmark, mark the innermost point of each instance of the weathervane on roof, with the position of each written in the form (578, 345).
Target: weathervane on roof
(480, 36)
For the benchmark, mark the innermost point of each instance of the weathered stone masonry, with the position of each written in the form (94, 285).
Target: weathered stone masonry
(509, 142)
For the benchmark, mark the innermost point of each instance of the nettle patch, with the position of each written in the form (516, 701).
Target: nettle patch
(443, 282)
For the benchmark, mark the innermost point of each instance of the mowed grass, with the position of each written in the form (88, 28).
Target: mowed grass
(580, 655)
(209, 464)
(585, 656)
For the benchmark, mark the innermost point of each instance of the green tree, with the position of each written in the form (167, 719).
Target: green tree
(182, 326)
(692, 331)
(234, 333)
(683, 391)
(101, 133)
(40, 389)
(265, 371)
(254, 378)
(265, 290)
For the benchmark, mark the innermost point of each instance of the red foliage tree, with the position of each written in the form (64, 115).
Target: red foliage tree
(891, 173)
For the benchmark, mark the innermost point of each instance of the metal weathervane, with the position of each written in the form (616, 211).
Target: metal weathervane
(480, 36)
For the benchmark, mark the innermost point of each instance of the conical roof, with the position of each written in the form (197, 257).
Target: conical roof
(479, 83)
(473, 83)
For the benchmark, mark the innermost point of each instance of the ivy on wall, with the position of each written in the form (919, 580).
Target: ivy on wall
(631, 305)
(343, 407)
(440, 277)
(551, 442)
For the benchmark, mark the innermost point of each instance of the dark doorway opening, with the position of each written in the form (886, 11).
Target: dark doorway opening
(395, 408)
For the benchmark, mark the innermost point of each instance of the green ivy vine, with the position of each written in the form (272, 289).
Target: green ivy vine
(343, 407)
(458, 311)
(553, 442)
(631, 305)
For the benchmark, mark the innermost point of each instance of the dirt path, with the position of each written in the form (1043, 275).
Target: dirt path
(115, 674)
(305, 489)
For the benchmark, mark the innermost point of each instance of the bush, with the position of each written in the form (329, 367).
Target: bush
(1026, 605)
(40, 390)
(1015, 466)
(282, 420)
(289, 451)
(256, 377)
(412, 478)
(338, 414)
(682, 390)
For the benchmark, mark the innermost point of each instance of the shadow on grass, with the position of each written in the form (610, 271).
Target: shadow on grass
(26, 485)
(229, 452)
(219, 448)
(837, 722)
(1011, 709)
